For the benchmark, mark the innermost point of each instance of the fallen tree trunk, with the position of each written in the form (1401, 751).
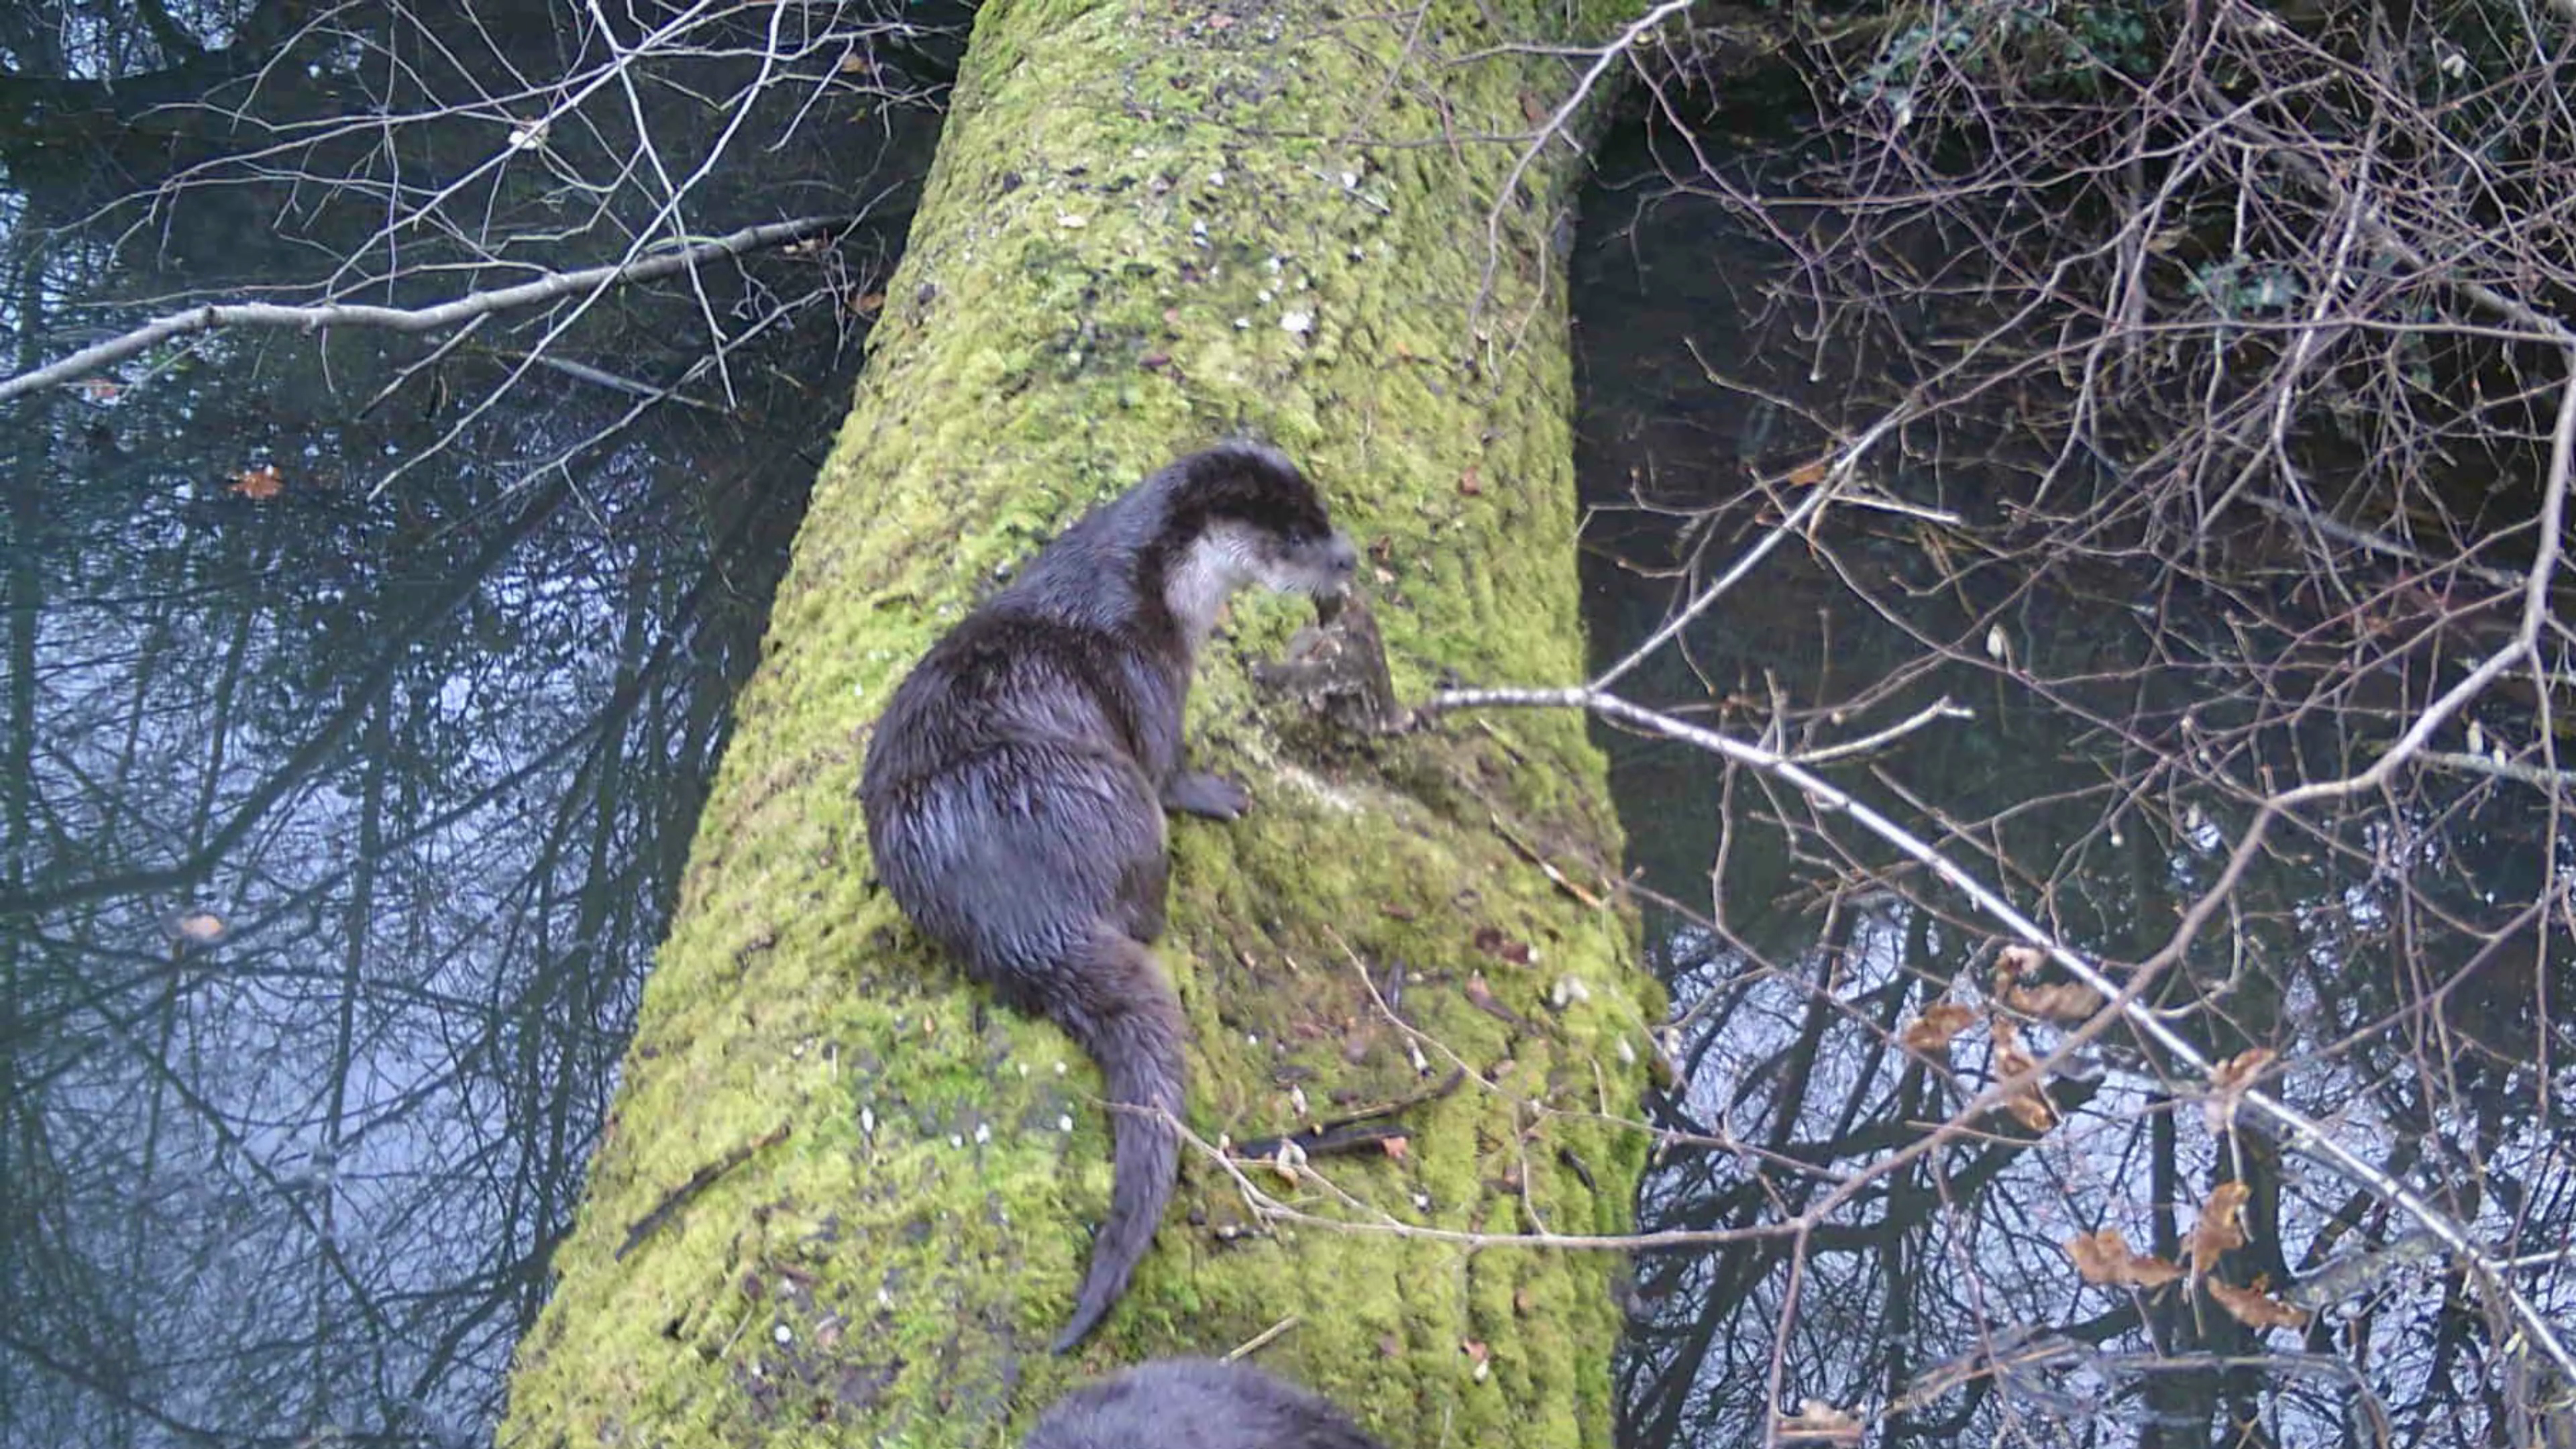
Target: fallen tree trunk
(1148, 227)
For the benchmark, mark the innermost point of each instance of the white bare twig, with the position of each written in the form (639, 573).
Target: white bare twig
(1554, 127)
(2298, 1129)
(1798, 518)
(548, 288)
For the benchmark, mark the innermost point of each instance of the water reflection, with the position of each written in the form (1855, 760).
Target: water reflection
(428, 778)
(2401, 955)
(337, 826)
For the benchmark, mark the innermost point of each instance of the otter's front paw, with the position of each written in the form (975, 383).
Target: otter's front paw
(1199, 793)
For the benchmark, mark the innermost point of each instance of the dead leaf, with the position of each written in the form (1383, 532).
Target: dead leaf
(2032, 1110)
(2255, 1308)
(1930, 1033)
(1818, 1420)
(1287, 1160)
(2030, 1106)
(258, 484)
(2106, 1258)
(2221, 1227)
(1492, 941)
(2014, 962)
(1395, 1147)
(198, 926)
(1470, 484)
(2011, 1059)
(2239, 1071)
(2068, 1002)
(99, 389)
(2229, 1081)
(868, 304)
(1807, 475)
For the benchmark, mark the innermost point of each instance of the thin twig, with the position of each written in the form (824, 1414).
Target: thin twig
(213, 315)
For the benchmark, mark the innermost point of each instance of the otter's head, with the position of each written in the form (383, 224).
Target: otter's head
(1242, 514)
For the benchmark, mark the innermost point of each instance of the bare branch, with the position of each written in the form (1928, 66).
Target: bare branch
(553, 286)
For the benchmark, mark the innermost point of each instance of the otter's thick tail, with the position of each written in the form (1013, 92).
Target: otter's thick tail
(1124, 1014)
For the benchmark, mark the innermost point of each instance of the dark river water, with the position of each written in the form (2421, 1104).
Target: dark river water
(361, 692)
(337, 827)
(2406, 957)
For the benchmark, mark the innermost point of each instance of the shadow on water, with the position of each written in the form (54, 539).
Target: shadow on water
(337, 828)
(2405, 980)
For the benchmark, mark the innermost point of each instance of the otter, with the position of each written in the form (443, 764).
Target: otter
(1195, 1404)
(1015, 788)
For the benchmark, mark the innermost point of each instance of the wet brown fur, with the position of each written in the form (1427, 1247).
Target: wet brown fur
(1195, 1404)
(1015, 787)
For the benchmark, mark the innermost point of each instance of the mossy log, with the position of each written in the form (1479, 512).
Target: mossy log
(1149, 226)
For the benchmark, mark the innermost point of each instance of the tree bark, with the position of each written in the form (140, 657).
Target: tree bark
(1149, 226)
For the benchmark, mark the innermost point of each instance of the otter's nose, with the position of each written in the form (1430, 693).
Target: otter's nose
(1342, 558)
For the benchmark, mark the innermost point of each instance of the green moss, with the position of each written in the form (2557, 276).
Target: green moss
(1119, 187)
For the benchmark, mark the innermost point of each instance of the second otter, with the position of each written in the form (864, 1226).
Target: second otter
(1195, 1404)
(1015, 788)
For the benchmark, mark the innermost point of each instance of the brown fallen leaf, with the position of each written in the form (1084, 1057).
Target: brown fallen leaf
(2030, 1106)
(1817, 1420)
(2221, 1226)
(99, 389)
(1287, 1160)
(2106, 1258)
(198, 928)
(2032, 1110)
(1807, 474)
(2014, 962)
(2068, 1002)
(1395, 1147)
(2229, 1081)
(2255, 1308)
(1470, 484)
(258, 484)
(1930, 1033)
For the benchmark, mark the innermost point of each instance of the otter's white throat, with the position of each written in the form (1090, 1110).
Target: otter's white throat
(1219, 561)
